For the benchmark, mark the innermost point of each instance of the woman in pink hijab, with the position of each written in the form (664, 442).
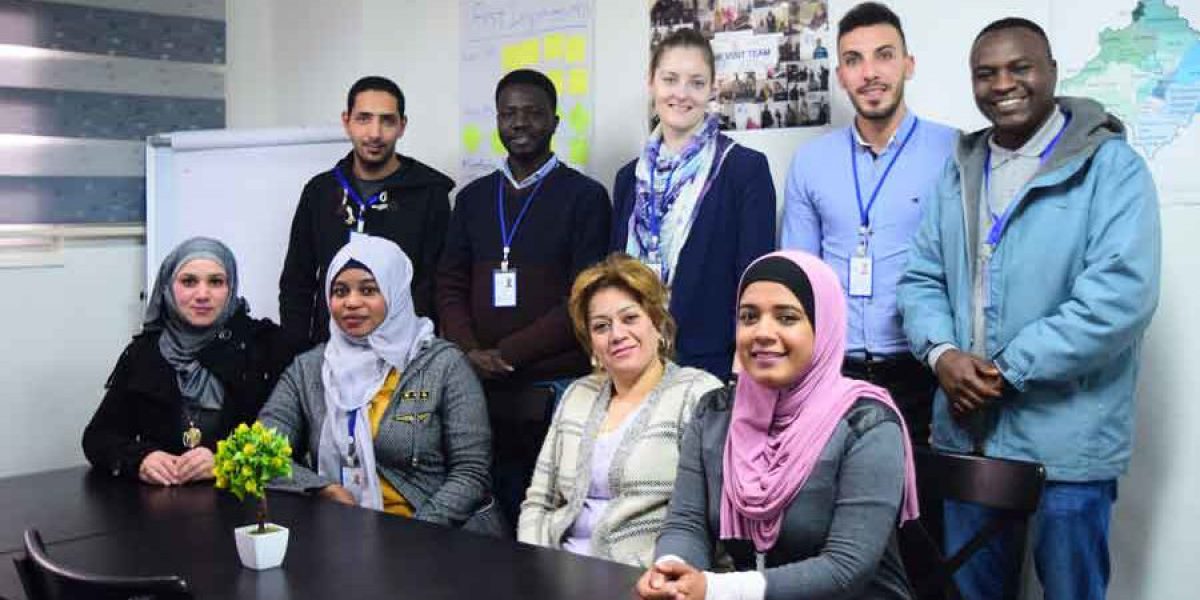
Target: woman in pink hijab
(800, 474)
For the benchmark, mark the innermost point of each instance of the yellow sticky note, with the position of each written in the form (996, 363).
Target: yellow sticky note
(579, 151)
(577, 82)
(471, 136)
(576, 48)
(519, 55)
(556, 77)
(579, 119)
(552, 46)
(497, 145)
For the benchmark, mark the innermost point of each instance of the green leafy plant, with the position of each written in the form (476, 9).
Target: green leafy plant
(249, 458)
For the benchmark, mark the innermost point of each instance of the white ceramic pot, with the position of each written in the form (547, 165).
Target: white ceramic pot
(260, 551)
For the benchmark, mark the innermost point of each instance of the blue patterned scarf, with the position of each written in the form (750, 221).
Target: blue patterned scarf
(673, 177)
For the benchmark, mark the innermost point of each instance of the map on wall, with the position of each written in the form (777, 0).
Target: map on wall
(1145, 69)
(498, 36)
(772, 57)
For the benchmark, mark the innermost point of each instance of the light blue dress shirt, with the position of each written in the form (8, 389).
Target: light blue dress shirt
(821, 216)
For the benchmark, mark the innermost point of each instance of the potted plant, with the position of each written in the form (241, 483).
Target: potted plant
(245, 461)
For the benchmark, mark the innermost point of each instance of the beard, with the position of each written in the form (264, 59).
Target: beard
(369, 163)
(882, 111)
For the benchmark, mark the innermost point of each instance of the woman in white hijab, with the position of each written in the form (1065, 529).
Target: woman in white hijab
(385, 415)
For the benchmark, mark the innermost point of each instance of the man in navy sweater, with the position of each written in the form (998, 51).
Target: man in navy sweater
(517, 239)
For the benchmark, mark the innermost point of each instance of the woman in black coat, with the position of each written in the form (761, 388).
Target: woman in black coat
(199, 367)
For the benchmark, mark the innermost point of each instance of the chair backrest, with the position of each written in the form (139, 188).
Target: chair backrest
(997, 483)
(45, 580)
(1012, 488)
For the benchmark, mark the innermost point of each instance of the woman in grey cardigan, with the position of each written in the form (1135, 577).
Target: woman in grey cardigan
(384, 415)
(607, 466)
(801, 473)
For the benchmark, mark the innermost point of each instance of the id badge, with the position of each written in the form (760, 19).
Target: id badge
(358, 235)
(354, 479)
(860, 276)
(504, 288)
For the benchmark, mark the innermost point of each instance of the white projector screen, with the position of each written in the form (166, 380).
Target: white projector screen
(239, 186)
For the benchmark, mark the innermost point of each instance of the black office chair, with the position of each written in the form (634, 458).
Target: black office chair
(1012, 487)
(45, 580)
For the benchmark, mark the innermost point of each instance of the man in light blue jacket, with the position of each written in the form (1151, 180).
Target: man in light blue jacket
(1030, 282)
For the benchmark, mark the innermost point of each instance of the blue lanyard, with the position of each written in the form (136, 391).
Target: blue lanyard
(350, 191)
(1000, 221)
(507, 235)
(351, 418)
(864, 213)
(351, 453)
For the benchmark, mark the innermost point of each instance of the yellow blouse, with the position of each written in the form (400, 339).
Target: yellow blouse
(393, 501)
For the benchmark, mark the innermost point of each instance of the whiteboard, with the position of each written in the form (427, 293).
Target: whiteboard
(238, 186)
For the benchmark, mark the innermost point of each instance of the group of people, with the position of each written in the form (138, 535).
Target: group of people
(745, 428)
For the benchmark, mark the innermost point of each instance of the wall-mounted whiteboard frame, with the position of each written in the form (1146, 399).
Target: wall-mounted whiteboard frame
(239, 186)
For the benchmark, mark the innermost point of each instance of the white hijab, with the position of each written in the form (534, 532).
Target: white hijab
(355, 368)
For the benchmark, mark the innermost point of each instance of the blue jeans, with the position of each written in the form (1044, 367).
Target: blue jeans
(1070, 544)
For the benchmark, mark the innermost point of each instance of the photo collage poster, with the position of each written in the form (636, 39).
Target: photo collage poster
(772, 57)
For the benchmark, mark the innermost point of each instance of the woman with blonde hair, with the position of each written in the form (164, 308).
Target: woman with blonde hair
(695, 206)
(607, 466)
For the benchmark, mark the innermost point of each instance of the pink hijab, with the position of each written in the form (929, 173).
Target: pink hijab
(776, 436)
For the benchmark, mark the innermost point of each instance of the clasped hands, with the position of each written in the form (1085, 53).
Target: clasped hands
(971, 383)
(164, 468)
(672, 580)
(489, 364)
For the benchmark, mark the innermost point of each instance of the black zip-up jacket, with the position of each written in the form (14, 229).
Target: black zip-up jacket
(415, 217)
(143, 409)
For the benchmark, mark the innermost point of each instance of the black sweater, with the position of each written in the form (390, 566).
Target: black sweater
(418, 209)
(143, 410)
(564, 232)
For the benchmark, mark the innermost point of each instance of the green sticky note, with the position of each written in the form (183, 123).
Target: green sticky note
(497, 145)
(519, 55)
(579, 119)
(471, 136)
(556, 77)
(576, 48)
(577, 82)
(579, 151)
(552, 46)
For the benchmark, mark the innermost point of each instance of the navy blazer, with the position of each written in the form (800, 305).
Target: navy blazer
(735, 225)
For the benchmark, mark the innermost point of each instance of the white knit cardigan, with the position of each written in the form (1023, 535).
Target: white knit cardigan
(641, 476)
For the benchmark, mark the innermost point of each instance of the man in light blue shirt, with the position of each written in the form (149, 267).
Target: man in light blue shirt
(853, 198)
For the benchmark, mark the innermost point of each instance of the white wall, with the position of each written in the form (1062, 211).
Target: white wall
(64, 328)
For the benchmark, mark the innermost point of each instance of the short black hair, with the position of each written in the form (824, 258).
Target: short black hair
(377, 83)
(867, 14)
(529, 77)
(1015, 23)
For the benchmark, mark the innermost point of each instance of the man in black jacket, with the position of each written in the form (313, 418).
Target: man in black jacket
(372, 191)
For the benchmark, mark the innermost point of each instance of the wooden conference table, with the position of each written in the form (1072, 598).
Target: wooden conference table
(92, 522)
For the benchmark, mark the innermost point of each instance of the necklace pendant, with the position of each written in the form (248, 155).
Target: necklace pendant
(191, 436)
